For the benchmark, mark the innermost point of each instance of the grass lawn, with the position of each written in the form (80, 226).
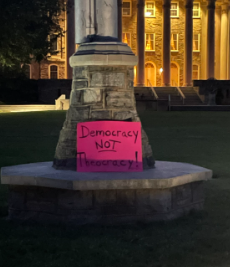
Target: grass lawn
(197, 240)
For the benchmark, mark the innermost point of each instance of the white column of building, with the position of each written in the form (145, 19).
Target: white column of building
(224, 42)
(188, 41)
(211, 39)
(166, 43)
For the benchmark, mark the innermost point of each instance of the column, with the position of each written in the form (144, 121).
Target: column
(223, 42)
(141, 42)
(166, 42)
(217, 41)
(119, 3)
(228, 46)
(211, 39)
(70, 36)
(188, 42)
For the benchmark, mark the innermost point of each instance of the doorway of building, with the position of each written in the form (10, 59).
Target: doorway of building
(150, 74)
(174, 75)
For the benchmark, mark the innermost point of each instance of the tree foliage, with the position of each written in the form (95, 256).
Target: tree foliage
(25, 27)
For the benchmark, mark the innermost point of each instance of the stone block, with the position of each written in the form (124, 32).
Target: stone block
(76, 97)
(197, 192)
(67, 135)
(75, 199)
(153, 201)
(79, 84)
(107, 79)
(71, 124)
(119, 100)
(17, 198)
(91, 96)
(78, 114)
(126, 197)
(131, 74)
(101, 115)
(123, 115)
(80, 72)
(181, 196)
(105, 197)
(64, 152)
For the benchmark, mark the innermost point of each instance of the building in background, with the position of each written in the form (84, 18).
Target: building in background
(176, 42)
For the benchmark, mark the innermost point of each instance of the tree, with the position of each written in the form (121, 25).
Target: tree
(25, 27)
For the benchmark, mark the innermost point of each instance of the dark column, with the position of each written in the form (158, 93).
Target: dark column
(70, 36)
(166, 42)
(141, 42)
(188, 42)
(211, 39)
(119, 3)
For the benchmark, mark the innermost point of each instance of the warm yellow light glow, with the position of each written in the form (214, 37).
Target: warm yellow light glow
(148, 14)
(161, 70)
(125, 39)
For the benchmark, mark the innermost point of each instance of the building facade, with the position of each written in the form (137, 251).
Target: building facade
(176, 42)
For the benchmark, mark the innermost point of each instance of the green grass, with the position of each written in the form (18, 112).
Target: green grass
(197, 240)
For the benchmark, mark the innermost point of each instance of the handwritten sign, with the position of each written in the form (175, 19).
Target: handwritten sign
(109, 146)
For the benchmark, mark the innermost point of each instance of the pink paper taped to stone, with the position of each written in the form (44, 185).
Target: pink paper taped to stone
(109, 146)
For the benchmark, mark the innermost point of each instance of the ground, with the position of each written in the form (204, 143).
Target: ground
(201, 239)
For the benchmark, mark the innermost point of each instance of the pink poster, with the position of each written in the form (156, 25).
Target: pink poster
(109, 146)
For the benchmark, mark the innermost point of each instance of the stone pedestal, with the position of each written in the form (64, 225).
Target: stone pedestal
(102, 89)
(39, 193)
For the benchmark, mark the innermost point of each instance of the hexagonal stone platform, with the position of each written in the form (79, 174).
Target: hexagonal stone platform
(40, 193)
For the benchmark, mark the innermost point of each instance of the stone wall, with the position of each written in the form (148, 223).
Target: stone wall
(154, 25)
(98, 93)
(40, 204)
(41, 71)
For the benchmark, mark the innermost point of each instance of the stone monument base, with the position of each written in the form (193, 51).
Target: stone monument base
(39, 193)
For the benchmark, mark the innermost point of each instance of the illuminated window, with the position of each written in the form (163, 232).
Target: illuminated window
(126, 38)
(53, 72)
(196, 42)
(54, 42)
(149, 42)
(150, 9)
(127, 8)
(174, 42)
(196, 10)
(195, 72)
(174, 11)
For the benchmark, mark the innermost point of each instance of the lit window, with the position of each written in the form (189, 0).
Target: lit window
(150, 9)
(53, 72)
(126, 8)
(149, 42)
(174, 11)
(126, 38)
(196, 10)
(195, 72)
(27, 71)
(54, 42)
(196, 42)
(174, 42)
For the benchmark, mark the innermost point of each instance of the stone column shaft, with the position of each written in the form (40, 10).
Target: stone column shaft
(228, 45)
(95, 17)
(141, 42)
(224, 42)
(70, 36)
(119, 3)
(211, 39)
(166, 42)
(188, 41)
